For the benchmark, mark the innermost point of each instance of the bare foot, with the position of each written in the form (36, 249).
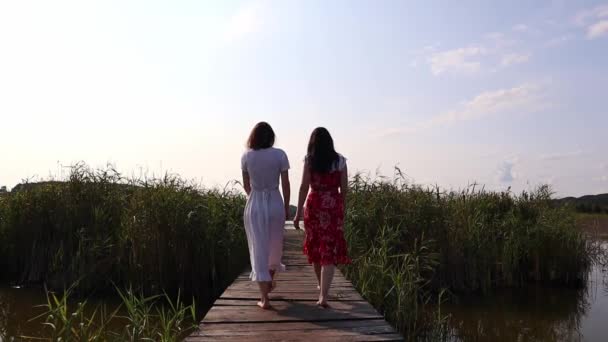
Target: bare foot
(318, 287)
(323, 304)
(264, 305)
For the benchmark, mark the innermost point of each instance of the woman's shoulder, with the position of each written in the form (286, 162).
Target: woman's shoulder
(278, 151)
(248, 154)
(341, 162)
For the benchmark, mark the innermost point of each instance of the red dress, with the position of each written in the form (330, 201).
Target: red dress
(324, 221)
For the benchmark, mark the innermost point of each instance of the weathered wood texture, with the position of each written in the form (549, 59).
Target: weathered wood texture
(294, 315)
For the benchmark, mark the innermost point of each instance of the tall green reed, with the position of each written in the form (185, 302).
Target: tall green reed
(156, 318)
(409, 244)
(98, 229)
(137, 318)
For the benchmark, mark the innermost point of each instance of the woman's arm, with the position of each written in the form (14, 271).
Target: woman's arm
(344, 182)
(286, 190)
(302, 195)
(246, 183)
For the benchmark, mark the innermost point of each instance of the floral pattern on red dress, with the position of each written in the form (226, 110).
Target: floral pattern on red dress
(324, 221)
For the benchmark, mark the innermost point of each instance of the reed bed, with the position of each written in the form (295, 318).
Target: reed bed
(413, 246)
(101, 230)
(137, 318)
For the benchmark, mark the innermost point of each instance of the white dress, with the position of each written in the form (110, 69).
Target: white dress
(264, 214)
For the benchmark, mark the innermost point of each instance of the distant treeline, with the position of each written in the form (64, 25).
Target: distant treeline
(597, 204)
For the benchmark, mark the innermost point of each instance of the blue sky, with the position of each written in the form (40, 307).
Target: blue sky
(502, 93)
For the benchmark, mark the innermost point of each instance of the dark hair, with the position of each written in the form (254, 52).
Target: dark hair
(262, 136)
(321, 155)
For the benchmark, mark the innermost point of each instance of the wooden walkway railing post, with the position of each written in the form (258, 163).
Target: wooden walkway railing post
(294, 315)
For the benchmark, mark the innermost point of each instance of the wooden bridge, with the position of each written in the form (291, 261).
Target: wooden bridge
(294, 315)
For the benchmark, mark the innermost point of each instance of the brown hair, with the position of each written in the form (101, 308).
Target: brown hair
(321, 153)
(262, 136)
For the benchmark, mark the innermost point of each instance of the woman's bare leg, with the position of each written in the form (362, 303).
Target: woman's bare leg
(273, 283)
(264, 302)
(327, 275)
(318, 274)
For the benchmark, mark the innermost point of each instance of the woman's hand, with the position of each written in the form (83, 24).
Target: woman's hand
(296, 220)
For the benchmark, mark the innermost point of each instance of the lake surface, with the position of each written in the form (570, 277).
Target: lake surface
(18, 307)
(535, 313)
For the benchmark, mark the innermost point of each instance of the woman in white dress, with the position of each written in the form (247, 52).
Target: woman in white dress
(266, 210)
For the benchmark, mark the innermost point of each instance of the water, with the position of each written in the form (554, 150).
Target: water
(19, 306)
(21, 314)
(535, 313)
(532, 314)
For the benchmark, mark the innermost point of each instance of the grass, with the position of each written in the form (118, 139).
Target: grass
(413, 246)
(153, 318)
(100, 229)
(103, 231)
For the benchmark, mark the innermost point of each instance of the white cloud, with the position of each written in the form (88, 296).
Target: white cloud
(595, 20)
(500, 40)
(460, 60)
(505, 173)
(523, 98)
(583, 17)
(598, 29)
(603, 178)
(420, 55)
(520, 28)
(560, 40)
(514, 58)
(245, 21)
(494, 53)
(563, 155)
(494, 36)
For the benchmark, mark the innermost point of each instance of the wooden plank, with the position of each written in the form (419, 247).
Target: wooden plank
(284, 289)
(379, 333)
(301, 296)
(293, 338)
(294, 315)
(371, 325)
(294, 277)
(366, 329)
(336, 305)
(286, 311)
(310, 282)
(295, 273)
(292, 286)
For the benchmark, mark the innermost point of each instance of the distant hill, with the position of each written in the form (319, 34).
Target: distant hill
(27, 186)
(587, 203)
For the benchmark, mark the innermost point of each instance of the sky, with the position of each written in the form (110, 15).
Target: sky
(499, 93)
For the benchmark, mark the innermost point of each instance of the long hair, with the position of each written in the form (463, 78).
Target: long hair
(261, 136)
(321, 155)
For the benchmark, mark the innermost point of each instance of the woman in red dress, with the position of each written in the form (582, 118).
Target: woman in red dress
(325, 174)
